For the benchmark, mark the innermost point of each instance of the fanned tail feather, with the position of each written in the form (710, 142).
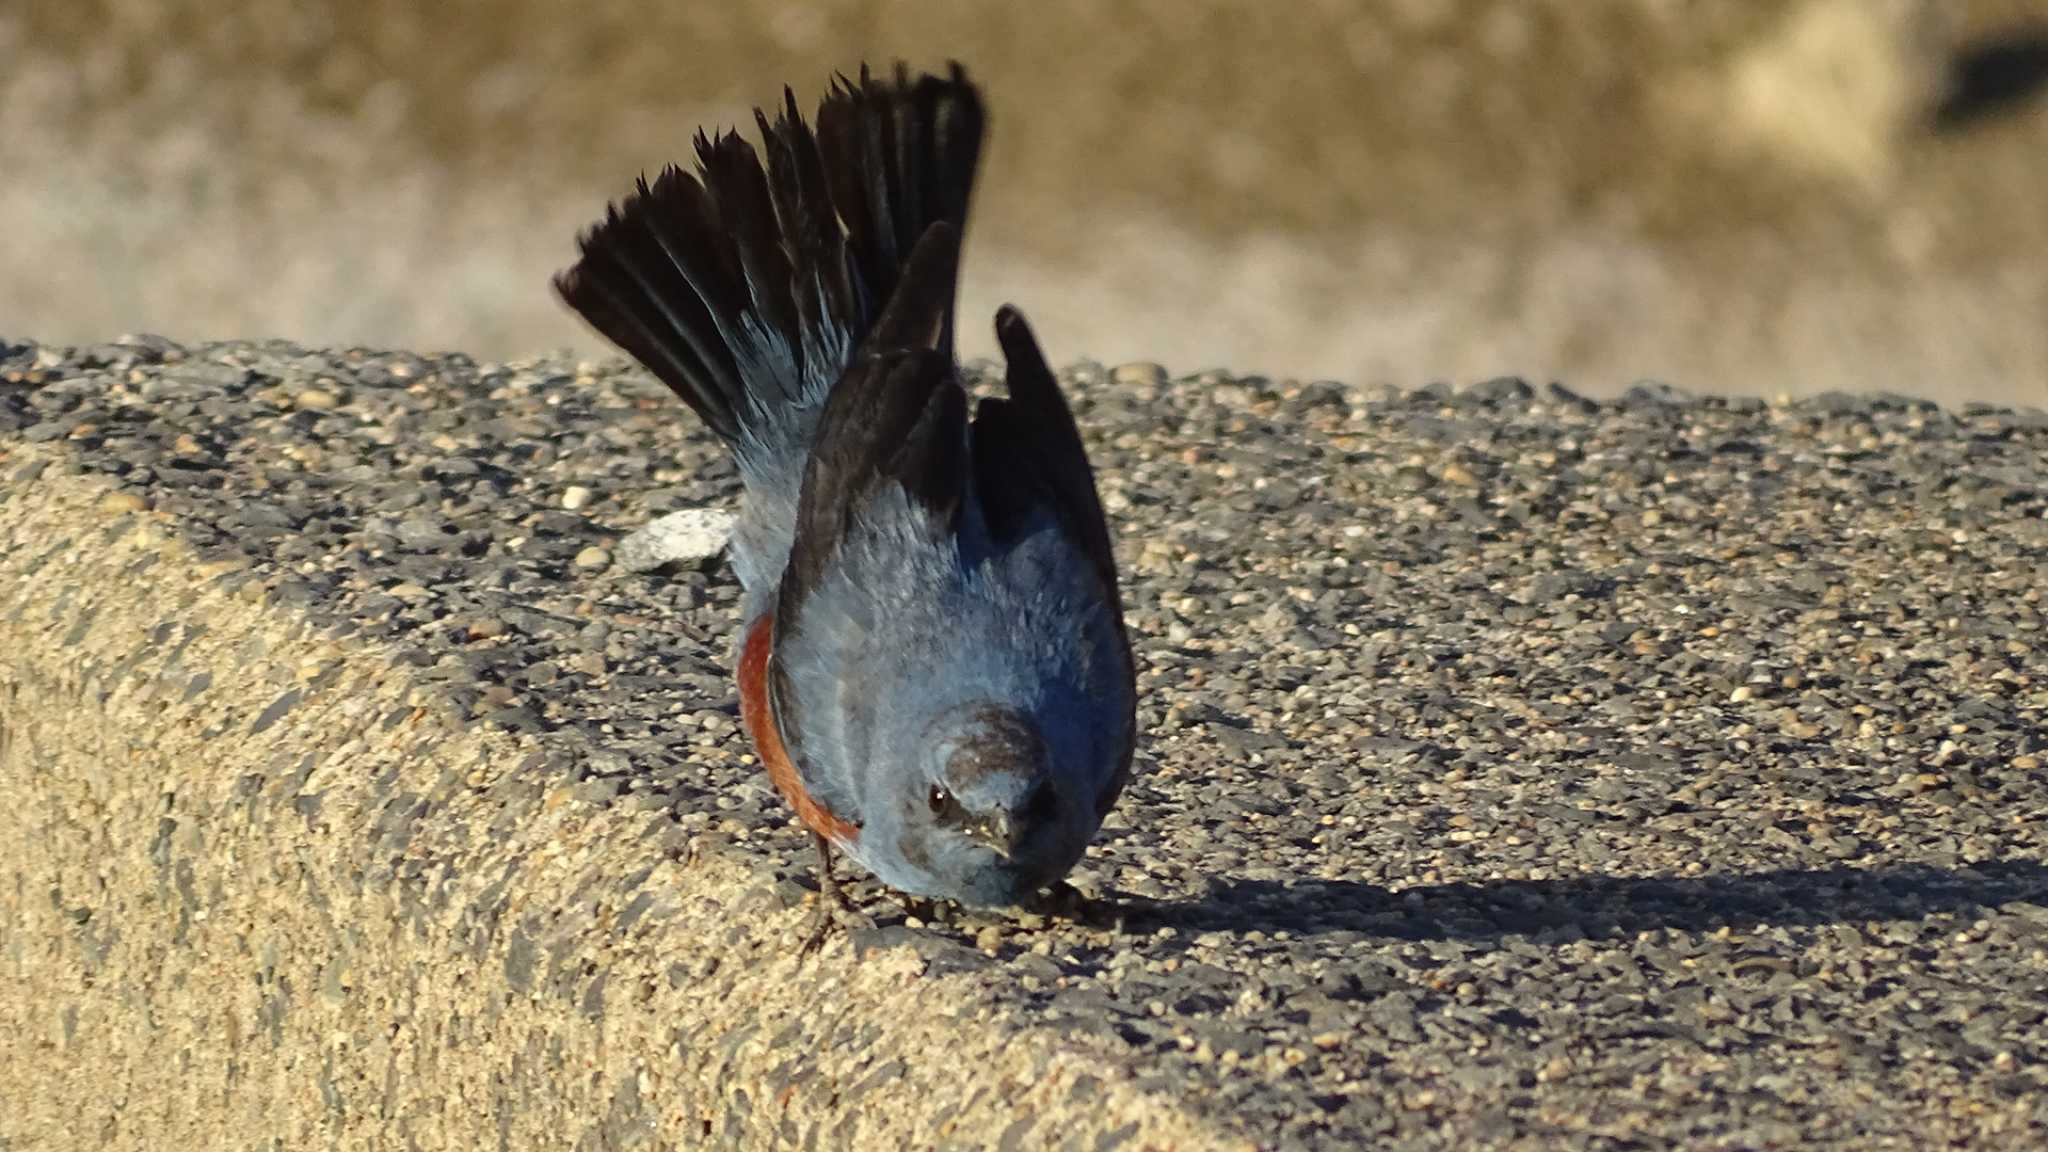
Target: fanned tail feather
(747, 288)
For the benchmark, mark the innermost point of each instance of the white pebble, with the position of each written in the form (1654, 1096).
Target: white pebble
(690, 536)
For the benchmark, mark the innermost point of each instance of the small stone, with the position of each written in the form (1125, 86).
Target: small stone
(2026, 762)
(690, 536)
(593, 559)
(1456, 473)
(1501, 390)
(122, 503)
(316, 399)
(1139, 373)
(1655, 394)
(575, 496)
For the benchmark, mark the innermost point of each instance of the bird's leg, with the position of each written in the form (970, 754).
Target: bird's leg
(828, 885)
(831, 899)
(1063, 901)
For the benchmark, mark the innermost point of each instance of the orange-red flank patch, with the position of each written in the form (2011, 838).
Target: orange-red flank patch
(759, 716)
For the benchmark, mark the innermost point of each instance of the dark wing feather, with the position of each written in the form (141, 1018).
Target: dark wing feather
(920, 312)
(1028, 453)
(1028, 457)
(896, 416)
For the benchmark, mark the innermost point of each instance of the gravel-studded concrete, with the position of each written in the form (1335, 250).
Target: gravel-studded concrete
(1518, 772)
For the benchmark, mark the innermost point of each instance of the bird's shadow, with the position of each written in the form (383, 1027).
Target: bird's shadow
(1590, 907)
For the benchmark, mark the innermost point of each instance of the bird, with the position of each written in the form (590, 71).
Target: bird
(934, 668)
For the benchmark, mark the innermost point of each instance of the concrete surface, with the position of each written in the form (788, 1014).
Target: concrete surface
(1519, 772)
(260, 893)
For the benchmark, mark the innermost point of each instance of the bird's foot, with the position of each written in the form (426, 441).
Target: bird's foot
(1060, 901)
(833, 911)
(833, 908)
(825, 919)
(1063, 901)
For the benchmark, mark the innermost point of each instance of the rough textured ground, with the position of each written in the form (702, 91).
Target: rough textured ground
(1517, 771)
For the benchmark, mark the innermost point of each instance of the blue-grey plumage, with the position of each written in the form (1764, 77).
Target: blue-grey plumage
(992, 676)
(934, 664)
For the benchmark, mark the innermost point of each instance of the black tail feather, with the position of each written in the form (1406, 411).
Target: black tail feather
(827, 301)
(733, 177)
(656, 280)
(902, 156)
(748, 286)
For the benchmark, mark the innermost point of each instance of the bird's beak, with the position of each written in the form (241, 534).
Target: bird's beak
(1000, 832)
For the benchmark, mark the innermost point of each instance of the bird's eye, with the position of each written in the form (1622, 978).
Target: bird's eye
(940, 800)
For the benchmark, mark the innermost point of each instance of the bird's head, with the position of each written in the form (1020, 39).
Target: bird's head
(988, 815)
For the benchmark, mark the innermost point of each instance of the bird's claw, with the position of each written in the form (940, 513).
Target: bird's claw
(1060, 900)
(824, 918)
(833, 912)
(1063, 901)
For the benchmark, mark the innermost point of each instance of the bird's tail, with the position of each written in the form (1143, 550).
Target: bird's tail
(748, 289)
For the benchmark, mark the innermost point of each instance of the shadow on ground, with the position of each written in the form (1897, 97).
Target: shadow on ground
(1596, 907)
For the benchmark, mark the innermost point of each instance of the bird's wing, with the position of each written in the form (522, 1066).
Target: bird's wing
(898, 415)
(1028, 459)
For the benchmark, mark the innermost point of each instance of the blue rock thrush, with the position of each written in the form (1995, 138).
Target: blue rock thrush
(934, 668)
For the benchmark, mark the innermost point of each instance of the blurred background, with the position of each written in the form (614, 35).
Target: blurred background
(1738, 196)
